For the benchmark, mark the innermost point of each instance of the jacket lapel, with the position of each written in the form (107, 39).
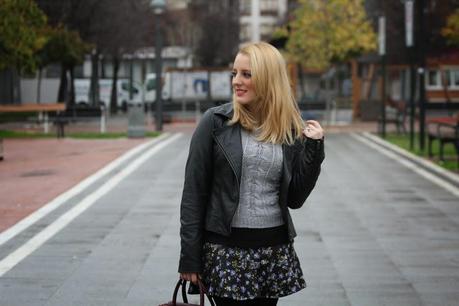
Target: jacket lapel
(229, 137)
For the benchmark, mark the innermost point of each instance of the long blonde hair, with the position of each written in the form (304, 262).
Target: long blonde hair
(279, 117)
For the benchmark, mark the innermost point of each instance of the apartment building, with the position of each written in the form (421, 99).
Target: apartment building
(259, 18)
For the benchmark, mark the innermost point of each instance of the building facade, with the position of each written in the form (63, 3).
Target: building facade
(259, 18)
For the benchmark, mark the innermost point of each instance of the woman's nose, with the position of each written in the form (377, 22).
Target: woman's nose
(236, 80)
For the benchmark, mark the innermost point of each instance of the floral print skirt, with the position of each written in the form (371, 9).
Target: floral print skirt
(248, 273)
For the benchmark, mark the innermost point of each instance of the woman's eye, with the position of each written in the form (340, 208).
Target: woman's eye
(233, 74)
(247, 75)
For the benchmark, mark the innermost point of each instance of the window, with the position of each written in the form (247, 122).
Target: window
(453, 81)
(269, 6)
(125, 87)
(151, 84)
(433, 80)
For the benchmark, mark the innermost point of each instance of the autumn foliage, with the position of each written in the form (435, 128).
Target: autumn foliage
(324, 32)
(451, 30)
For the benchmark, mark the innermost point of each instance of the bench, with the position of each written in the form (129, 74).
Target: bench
(445, 130)
(395, 114)
(42, 109)
(74, 114)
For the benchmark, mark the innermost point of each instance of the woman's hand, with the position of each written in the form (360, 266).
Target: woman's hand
(313, 130)
(191, 277)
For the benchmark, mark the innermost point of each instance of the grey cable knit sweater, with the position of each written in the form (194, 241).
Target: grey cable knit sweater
(260, 184)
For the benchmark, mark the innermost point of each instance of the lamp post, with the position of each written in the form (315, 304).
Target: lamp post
(409, 13)
(382, 53)
(158, 7)
(422, 72)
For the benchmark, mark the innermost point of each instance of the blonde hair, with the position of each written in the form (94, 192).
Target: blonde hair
(279, 117)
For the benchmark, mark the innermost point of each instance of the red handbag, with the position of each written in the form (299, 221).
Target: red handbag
(182, 283)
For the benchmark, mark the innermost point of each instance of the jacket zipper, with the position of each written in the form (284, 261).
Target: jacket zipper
(234, 171)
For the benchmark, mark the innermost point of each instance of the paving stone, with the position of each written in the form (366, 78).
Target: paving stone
(371, 233)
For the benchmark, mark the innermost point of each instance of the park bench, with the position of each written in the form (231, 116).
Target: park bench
(74, 114)
(445, 130)
(42, 109)
(395, 114)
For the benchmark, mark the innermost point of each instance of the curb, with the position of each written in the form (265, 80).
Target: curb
(438, 171)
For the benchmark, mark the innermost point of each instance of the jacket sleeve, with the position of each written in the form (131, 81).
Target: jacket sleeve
(305, 171)
(196, 193)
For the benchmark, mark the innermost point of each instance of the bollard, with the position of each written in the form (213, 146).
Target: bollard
(103, 120)
(136, 120)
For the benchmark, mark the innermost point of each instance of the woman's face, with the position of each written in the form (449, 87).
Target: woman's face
(242, 80)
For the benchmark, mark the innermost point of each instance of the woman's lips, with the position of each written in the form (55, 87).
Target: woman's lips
(240, 92)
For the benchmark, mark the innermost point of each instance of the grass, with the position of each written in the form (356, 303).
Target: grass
(15, 117)
(403, 141)
(77, 135)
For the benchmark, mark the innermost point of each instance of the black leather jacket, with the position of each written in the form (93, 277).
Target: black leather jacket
(212, 179)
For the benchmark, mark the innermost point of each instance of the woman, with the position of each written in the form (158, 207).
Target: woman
(249, 161)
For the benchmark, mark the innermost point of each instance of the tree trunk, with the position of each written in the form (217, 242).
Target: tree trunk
(114, 94)
(71, 101)
(16, 87)
(61, 95)
(94, 86)
(40, 70)
(6, 86)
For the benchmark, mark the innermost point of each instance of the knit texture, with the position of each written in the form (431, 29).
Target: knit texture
(260, 184)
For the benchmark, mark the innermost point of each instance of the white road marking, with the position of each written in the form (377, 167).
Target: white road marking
(40, 238)
(62, 198)
(410, 165)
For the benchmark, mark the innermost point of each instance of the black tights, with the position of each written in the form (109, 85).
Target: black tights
(256, 302)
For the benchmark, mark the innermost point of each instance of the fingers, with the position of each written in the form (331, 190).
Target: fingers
(190, 277)
(313, 123)
(313, 130)
(194, 278)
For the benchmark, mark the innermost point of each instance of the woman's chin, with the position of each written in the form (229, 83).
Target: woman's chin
(243, 102)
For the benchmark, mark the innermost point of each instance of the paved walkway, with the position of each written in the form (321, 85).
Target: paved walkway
(372, 233)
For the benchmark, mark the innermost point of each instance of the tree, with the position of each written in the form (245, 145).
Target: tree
(325, 32)
(21, 35)
(451, 30)
(123, 31)
(111, 27)
(66, 48)
(217, 23)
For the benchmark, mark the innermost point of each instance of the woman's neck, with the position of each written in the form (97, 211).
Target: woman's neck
(254, 113)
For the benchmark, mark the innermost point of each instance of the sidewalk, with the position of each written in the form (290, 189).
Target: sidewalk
(35, 171)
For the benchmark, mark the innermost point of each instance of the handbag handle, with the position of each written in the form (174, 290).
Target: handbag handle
(202, 292)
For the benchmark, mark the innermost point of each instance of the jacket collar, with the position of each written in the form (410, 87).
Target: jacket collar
(225, 110)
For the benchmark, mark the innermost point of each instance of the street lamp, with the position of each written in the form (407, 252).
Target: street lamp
(158, 7)
(382, 53)
(409, 35)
